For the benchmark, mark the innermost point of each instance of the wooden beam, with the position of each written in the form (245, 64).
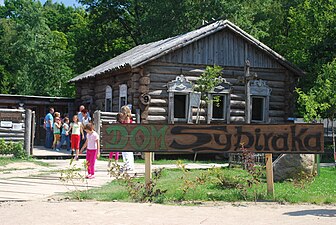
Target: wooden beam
(269, 174)
(28, 131)
(148, 168)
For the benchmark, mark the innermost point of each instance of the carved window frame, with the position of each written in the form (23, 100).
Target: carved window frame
(108, 98)
(224, 89)
(260, 89)
(179, 86)
(122, 94)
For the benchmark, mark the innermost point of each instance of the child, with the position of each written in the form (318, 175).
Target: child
(120, 119)
(77, 130)
(65, 135)
(93, 149)
(57, 133)
(128, 157)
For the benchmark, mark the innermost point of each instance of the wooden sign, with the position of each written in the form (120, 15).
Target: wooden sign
(11, 116)
(6, 124)
(266, 138)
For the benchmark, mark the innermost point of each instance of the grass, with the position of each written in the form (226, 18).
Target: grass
(168, 161)
(173, 161)
(320, 190)
(8, 160)
(224, 184)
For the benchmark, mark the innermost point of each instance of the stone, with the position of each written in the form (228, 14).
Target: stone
(290, 166)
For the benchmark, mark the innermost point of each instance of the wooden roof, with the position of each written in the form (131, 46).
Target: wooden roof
(142, 54)
(37, 100)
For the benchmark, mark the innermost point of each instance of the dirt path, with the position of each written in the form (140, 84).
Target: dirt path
(82, 213)
(37, 184)
(28, 181)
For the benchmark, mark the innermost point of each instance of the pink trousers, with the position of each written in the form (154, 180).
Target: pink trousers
(116, 157)
(91, 156)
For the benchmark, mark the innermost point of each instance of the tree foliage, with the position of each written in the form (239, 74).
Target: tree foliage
(320, 101)
(43, 46)
(210, 79)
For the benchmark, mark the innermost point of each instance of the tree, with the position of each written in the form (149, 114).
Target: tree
(320, 101)
(210, 79)
(310, 38)
(37, 58)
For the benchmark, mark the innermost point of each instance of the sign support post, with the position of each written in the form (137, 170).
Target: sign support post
(148, 168)
(269, 174)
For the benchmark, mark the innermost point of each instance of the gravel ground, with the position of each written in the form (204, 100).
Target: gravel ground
(63, 212)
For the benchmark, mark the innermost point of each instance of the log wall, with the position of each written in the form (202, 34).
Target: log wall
(92, 92)
(279, 80)
(18, 125)
(12, 125)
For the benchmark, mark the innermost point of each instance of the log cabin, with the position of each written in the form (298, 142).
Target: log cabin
(158, 79)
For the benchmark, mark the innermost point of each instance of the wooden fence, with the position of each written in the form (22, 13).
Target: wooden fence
(18, 125)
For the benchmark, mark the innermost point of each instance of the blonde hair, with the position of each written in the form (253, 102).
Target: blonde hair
(57, 114)
(119, 117)
(126, 110)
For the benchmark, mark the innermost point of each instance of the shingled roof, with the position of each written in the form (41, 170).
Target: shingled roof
(142, 54)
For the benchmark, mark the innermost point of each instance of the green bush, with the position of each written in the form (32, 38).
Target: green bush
(12, 148)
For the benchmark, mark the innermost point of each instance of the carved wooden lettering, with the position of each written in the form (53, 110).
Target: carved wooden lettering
(266, 138)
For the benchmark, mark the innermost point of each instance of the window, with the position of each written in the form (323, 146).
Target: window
(219, 103)
(258, 108)
(122, 95)
(258, 102)
(179, 108)
(108, 99)
(219, 109)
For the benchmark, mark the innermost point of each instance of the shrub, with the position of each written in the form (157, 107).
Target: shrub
(14, 148)
(139, 191)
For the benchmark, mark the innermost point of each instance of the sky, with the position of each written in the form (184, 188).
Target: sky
(66, 2)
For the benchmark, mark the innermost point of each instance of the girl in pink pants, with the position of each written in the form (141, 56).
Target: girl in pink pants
(116, 156)
(93, 149)
(120, 119)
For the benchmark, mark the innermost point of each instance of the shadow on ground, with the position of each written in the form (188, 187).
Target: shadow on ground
(314, 212)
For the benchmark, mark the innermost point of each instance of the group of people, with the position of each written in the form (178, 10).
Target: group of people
(80, 135)
(60, 130)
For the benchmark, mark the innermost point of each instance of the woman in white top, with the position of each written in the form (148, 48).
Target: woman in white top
(128, 157)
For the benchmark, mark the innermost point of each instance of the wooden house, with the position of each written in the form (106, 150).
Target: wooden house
(158, 77)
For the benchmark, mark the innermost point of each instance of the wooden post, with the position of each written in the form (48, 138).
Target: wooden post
(28, 131)
(97, 122)
(33, 130)
(269, 174)
(148, 168)
(318, 166)
(247, 92)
